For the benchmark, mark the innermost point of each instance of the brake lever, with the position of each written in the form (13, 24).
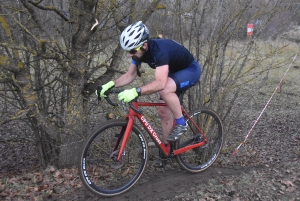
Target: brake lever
(122, 102)
(123, 105)
(107, 98)
(99, 88)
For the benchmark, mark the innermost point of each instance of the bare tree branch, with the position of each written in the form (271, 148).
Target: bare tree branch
(51, 8)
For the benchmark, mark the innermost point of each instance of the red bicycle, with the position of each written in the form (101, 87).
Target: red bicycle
(115, 156)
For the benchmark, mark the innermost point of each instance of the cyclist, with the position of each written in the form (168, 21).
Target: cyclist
(175, 70)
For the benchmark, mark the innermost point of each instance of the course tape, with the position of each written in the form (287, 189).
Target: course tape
(242, 143)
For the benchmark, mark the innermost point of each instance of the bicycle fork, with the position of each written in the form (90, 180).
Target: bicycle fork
(125, 132)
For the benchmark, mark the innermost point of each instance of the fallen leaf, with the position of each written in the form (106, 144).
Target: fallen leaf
(125, 173)
(28, 190)
(288, 171)
(291, 189)
(287, 182)
(43, 187)
(58, 175)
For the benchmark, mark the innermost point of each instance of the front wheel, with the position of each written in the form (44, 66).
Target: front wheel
(198, 159)
(99, 170)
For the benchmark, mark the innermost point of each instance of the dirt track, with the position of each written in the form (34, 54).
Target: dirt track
(275, 182)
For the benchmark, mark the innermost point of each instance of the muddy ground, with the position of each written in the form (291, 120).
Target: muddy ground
(267, 167)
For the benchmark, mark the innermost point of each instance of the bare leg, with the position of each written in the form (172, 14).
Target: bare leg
(172, 100)
(165, 115)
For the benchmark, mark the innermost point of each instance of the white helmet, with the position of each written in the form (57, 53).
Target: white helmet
(134, 36)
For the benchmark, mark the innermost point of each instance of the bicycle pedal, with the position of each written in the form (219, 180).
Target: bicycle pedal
(198, 138)
(160, 163)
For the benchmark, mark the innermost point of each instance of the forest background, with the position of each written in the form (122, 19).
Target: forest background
(51, 61)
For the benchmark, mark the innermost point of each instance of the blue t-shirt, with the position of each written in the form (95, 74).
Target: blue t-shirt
(167, 52)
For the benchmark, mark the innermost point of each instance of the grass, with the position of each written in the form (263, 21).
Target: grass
(281, 116)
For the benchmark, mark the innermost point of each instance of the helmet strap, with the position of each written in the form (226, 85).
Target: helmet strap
(138, 66)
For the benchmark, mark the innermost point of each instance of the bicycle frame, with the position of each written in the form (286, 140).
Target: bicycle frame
(167, 150)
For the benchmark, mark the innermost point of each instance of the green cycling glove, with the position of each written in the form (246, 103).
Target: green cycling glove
(128, 95)
(105, 87)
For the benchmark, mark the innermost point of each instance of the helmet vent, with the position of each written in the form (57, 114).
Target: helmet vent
(130, 34)
(130, 45)
(137, 36)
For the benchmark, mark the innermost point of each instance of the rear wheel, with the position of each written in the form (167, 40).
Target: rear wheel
(198, 159)
(99, 170)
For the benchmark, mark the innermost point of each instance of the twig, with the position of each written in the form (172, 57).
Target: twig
(96, 23)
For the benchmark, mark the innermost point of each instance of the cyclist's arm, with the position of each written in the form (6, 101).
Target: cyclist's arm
(160, 82)
(128, 77)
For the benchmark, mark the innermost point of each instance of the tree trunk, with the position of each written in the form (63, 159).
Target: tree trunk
(75, 128)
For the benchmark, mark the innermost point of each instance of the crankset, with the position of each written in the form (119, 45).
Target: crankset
(196, 139)
(199, 138)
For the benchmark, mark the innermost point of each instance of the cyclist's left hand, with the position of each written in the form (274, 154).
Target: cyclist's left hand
(128, 95)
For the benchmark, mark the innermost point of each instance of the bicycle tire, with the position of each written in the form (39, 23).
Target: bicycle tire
(100, 173)
(199, 159)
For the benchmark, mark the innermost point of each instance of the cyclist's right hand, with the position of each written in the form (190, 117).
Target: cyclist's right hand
(103, 88)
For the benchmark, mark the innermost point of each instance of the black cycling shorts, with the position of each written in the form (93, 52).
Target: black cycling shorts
(187, 77)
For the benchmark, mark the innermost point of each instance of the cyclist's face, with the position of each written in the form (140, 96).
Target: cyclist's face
(139, 54)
